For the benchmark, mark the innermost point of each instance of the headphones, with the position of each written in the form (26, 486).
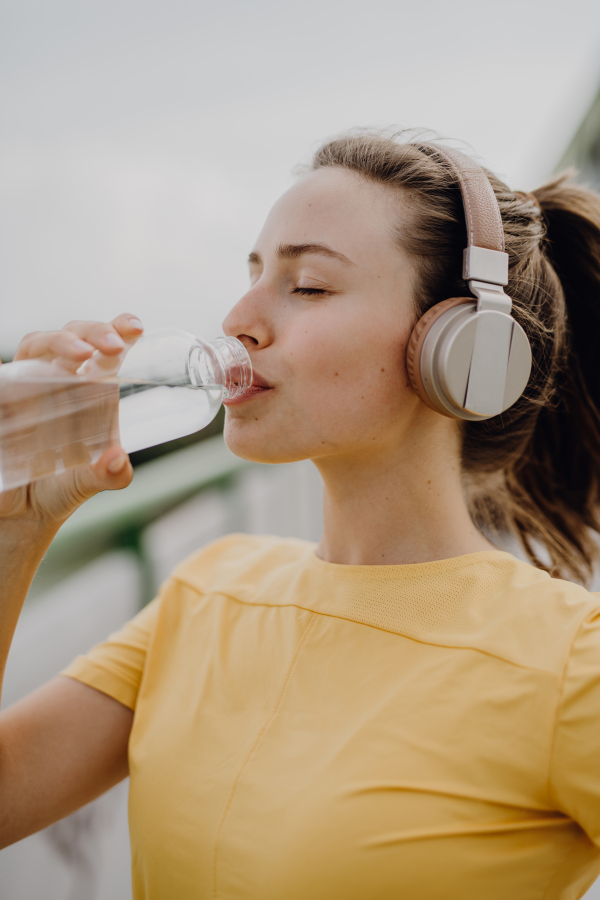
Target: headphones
(469, 359)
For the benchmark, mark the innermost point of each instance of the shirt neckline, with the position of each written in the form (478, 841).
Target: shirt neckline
(409, 570)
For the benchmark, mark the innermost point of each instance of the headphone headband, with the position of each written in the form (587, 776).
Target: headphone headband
(472, 361)
(484, 258)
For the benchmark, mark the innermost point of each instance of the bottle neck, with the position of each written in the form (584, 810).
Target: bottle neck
(223, 361)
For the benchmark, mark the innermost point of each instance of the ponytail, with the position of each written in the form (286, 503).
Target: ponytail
(554, 489)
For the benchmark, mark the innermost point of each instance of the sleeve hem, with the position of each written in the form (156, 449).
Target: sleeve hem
(84, 670)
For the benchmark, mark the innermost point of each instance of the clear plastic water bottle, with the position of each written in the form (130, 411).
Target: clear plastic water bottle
(163, 386)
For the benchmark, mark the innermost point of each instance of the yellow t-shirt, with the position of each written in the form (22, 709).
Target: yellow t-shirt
(310, 731)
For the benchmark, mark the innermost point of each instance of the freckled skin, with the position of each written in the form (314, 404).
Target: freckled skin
(293, 340)
(336, 359)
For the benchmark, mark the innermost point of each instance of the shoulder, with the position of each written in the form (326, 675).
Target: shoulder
(239, 563)
(537, 616)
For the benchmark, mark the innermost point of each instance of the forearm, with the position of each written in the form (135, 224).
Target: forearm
(23, 543)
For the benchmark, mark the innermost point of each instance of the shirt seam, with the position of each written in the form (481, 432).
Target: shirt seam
(559, 700)
(408, 637)
(453, 563)
(253, 747)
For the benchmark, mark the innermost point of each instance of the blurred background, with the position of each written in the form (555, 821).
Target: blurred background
(141, 146)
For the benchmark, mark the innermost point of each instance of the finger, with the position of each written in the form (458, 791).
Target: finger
(101, 335)
(114, 469)
(112, 472)
(126, 329)
(52, 344)
(109, 337)
(128, 326)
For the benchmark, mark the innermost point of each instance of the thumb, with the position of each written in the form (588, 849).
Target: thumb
(112, 472)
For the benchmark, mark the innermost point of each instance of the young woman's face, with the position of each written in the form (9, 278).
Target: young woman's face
(326, 322)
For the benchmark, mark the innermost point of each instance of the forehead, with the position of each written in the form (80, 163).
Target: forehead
(336, 207)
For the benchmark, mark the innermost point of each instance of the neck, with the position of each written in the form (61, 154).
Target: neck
(397, 506)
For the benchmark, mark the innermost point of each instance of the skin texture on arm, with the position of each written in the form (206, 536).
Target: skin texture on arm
(29, 519)
(60, 748)
(66, 743)
(23, 543)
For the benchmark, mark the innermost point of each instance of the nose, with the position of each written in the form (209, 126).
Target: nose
(248, 322)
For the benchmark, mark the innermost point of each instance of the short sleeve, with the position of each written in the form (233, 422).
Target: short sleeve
(575, 761)
(116, 666)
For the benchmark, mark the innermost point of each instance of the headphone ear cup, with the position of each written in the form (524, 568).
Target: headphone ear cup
(415, 346)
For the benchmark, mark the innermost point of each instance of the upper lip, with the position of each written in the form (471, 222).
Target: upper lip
(259, 381)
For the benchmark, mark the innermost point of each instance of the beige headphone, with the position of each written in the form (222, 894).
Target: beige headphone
(469, 359)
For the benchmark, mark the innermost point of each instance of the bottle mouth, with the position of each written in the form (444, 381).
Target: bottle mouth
(235, 365)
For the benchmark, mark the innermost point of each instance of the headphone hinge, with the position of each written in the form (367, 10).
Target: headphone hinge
(491, 296)
(482, 264)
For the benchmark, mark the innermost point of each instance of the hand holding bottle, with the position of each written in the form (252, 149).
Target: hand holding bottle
(70, 397)
(53, 499)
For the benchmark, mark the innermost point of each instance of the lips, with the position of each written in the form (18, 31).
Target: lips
(259, 381)
(259, 386)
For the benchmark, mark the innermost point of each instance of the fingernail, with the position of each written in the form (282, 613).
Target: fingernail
(113, 340)
(117, 464)
(82, 347)
(135, 323)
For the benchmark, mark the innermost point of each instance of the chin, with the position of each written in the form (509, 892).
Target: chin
(252, 441)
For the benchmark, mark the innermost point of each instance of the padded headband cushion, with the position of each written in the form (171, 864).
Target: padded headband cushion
(484, 222)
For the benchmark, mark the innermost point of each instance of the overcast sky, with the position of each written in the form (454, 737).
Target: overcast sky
(142, 144)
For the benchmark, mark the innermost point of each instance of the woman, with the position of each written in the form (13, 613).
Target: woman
(406, 711)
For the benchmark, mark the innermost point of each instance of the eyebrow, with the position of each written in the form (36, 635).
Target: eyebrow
(295, 251)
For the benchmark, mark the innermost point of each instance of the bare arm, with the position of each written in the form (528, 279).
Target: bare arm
(66, 743)
(23, 542)
(29, 519)
(60, 747)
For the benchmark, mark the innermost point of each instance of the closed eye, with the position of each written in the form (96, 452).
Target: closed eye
(310, 292)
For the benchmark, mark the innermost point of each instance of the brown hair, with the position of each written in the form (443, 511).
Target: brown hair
(534, 470)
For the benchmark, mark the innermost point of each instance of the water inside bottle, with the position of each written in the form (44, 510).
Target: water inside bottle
(151, 413)
(47, 426)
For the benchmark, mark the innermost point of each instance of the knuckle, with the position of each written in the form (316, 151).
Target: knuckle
(88, 330)
(36, 343)
(74, 325)
(30, 337)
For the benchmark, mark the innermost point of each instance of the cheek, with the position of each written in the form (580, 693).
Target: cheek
(336, 394)
(356, 380)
